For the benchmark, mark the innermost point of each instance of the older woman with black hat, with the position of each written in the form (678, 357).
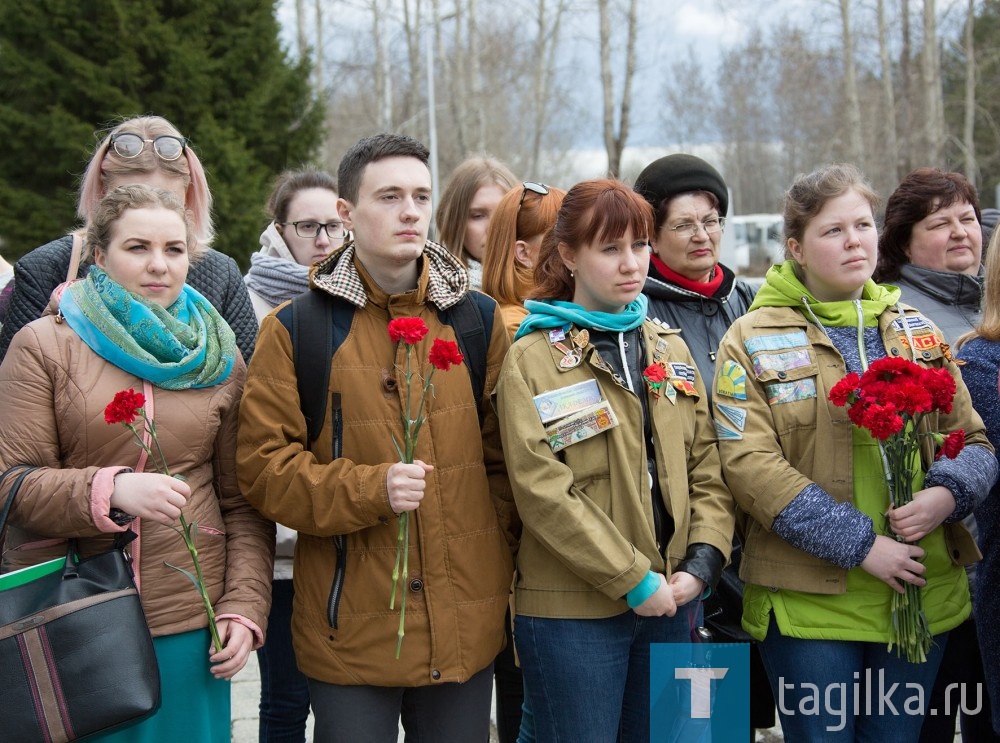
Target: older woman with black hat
(687, 287)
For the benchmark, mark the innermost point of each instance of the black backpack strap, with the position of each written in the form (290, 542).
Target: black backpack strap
(472, 320)
(318, 322)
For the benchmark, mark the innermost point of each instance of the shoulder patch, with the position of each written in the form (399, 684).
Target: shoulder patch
(736, 416)
(732, 381)
(777, 342)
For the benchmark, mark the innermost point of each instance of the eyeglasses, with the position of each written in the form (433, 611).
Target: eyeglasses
(166, 146)
(537, 188)
(690, 229)
(310, 230)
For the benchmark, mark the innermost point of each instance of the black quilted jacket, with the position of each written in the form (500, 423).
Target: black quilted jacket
(216, 276)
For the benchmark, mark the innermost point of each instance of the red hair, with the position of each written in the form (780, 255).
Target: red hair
(600, 209)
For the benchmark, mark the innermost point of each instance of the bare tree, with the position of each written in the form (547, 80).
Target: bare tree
(888, 97)
(542, 72)
(300, 26)
(969, 120)
(930, 82)
(855, 148)
(614, 142)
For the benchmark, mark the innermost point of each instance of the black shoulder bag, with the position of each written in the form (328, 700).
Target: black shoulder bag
(76, 656)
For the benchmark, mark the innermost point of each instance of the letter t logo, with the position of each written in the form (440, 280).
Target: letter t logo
(701, 688)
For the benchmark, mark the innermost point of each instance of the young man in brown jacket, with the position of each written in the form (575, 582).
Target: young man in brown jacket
(344, 491)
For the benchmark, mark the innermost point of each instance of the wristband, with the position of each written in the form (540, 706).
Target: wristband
(646, 588)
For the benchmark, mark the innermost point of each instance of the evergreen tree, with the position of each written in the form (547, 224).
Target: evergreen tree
(214, 68)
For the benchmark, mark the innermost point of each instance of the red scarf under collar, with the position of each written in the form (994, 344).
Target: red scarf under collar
(705, 288)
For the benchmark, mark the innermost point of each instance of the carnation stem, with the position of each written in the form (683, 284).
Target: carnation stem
(403, 518)
(189, 541)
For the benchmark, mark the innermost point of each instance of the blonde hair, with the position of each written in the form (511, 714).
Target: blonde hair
(106, 164)
(504, 279)
(989, 325)
(137, 196)
(453, 212)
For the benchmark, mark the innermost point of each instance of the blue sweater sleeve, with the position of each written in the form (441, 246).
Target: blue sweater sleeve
(815, 523)
(969, 477)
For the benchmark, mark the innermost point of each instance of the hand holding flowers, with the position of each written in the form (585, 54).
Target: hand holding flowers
(405, 482)
(892, 400)
(126, 407)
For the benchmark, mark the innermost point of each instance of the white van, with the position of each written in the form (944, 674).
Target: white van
(752, 243)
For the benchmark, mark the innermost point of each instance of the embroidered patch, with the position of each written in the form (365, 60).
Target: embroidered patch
(782, 392)
(736, 416)
(724, 433)
(682, 377)
(915, 322)
(684, 371)
(775, 342)
(583, 425)
(732, 381)
(565, 400)
(923, 342)
(781, 361)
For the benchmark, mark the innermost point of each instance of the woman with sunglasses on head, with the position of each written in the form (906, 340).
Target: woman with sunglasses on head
(134, 324)
(467, 205)
(304, 228)
(523, 216)
(149, 150)
(612, 557)
(513, 239)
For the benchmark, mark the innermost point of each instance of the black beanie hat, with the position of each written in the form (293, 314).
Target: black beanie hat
(677, 174)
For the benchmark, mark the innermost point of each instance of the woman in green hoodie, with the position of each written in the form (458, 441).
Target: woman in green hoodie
(819, 565)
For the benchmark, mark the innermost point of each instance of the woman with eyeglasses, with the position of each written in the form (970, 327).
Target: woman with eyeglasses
(613, 557)
(467, 205)
(148, 150)
(304, 228)
(523, 216)
(689, 289)
(134, 324)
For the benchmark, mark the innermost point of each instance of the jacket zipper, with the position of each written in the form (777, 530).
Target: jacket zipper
(339, 541)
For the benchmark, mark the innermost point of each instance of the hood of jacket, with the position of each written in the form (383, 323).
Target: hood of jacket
(273, 244)
(948, 287)
(443, 275)
(783, 288)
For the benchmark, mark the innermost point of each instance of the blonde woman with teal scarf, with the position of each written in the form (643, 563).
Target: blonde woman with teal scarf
(133, 323)
(818, 564)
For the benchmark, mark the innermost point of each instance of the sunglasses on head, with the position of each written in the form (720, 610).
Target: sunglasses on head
(538, 188)
(166, 146)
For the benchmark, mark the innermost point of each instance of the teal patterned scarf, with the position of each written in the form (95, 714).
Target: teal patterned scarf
(186, 345)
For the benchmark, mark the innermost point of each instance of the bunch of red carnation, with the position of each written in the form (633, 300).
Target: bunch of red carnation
(895, 391)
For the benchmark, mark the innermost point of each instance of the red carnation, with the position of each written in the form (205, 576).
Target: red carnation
(953, 444)
(410, 330)
(444, 354)
(125, 407)
(883, 421)
(941, 386)
(844, 390)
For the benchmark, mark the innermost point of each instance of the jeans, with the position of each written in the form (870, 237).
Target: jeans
(840, 690)
(443, 713)
(588, 679)
(509, 693)
(284, 691)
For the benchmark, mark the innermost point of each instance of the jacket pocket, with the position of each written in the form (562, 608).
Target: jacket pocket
(790, 383)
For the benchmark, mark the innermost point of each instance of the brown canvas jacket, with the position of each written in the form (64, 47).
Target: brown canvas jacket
(461, 536)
